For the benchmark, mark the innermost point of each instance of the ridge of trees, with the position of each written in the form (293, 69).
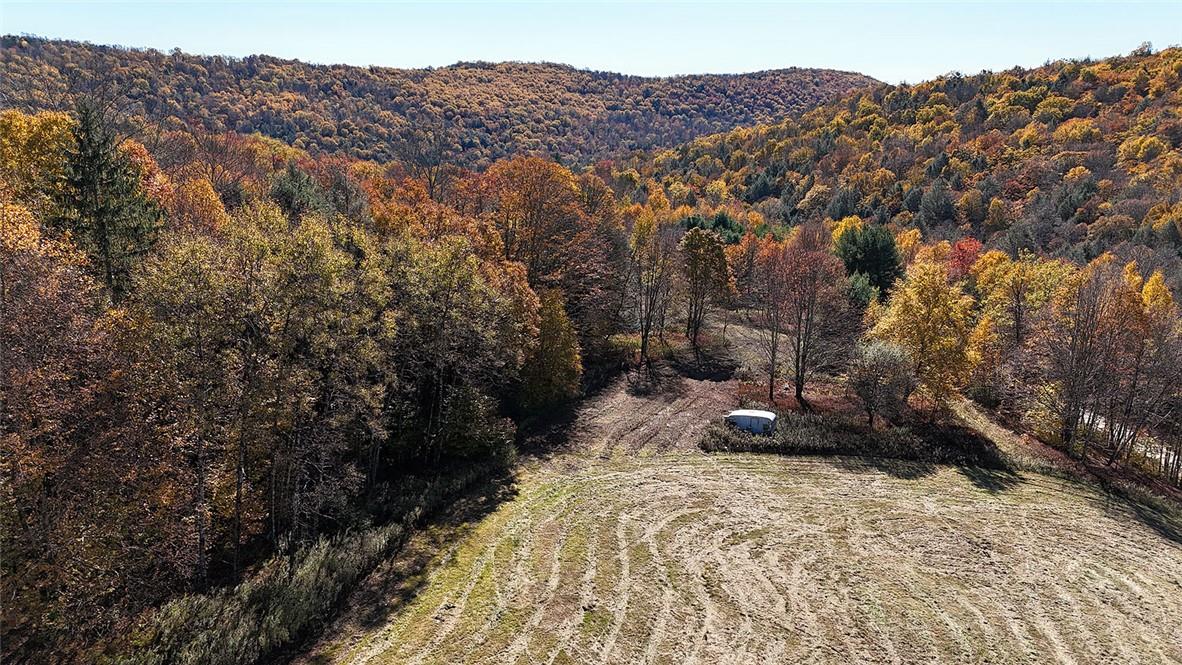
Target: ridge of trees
(490, 110)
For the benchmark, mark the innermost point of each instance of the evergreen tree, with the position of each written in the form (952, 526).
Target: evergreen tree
(298, 194)
(760, 187)
(913, 198)
(846, 202)
(101, 205)
(871, 251)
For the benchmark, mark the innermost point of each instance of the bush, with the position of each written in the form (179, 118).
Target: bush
(817, 434)
(473, 430)
(882, 375)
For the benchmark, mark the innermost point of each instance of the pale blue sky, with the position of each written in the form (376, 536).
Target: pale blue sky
(892, 41)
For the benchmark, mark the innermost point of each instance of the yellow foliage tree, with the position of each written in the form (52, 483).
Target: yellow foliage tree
(656, 197)
(717, 191)
(998, 217)
(908, 243)
(845, 224)
(1012, 292)
(554, 366)
(930, 318)
(1159, 302)
(195, 205)
(934, 253)
(33, 156)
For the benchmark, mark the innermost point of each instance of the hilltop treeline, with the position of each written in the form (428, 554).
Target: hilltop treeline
(491, 110)
(1071, 159)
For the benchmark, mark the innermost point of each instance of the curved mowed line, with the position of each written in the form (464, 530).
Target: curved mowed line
(748, 559)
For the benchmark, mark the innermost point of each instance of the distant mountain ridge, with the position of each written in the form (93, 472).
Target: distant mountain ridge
(496, 109)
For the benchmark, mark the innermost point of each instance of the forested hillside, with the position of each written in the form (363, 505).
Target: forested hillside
(1070, 159)
(189, 386)
(490, 110)
(235, 372)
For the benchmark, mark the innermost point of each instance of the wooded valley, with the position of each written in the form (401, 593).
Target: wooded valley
(259, 320)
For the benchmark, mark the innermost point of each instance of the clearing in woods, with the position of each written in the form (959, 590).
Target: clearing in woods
(629, 545)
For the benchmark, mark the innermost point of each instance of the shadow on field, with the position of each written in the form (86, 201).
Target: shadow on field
(713, 360)
(1166, 521)
(895, 468)
(910, 451)
(655, 379)
(544, 435)
(992, 480)
(438, 534)
(400, 579)
(1167, 528)
(710, 363)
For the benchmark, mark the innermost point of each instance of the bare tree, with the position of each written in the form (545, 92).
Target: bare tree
(228, 160)
(769, 316)
(819, 321)
(1071, 344)
(1107, 361)
(1141, 387)
(427, 150)
(882, 375)
(653, 250)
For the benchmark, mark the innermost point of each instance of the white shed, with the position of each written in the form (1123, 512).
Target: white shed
(752, 420)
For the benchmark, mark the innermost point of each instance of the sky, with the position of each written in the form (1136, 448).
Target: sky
(891, 41)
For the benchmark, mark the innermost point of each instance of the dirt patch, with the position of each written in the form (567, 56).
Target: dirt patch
(637, 414)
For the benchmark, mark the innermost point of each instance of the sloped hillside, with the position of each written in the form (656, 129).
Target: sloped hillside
(496, 109)
(1073, 158)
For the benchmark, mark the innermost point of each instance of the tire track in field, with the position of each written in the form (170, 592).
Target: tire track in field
(630, 547)
(624, 590)
(453, 606)
(566, 631)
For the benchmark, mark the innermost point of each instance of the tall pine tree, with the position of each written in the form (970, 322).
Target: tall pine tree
(101, 204)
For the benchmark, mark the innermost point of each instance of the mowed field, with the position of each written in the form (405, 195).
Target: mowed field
(629, 546)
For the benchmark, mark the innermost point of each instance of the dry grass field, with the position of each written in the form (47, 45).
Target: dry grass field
(630, 546)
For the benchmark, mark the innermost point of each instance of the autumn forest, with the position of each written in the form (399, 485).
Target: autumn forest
(261, 320)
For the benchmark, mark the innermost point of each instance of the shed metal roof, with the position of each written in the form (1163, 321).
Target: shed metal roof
(754, 413)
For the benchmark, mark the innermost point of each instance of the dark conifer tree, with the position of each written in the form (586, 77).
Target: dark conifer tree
(872, 252)
(101, 205)
(936, 207)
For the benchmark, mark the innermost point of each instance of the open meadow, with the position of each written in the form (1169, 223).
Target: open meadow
(630, 545)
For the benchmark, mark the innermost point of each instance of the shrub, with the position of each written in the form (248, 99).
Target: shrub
(882, 375)
(474, 431)
(830, 434)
